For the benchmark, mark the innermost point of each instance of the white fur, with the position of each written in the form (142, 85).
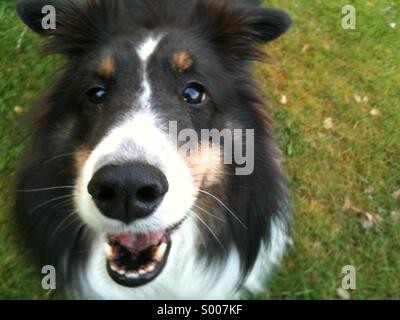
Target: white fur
(145, 51)
(148, 47)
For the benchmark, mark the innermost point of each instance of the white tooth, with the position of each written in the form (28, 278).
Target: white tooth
(159, 254)
(121, 272)
(132, 275)
(108, 250)
(142, 272)
(113, 268)
(151, 267)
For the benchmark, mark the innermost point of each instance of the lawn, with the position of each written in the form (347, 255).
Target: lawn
(334, 94)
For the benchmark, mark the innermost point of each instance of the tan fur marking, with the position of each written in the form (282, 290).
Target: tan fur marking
(81, 156)
(181, 61)
(207, 167)
(106, 67)
(209, 175)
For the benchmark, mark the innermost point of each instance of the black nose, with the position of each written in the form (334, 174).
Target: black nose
(128, 192)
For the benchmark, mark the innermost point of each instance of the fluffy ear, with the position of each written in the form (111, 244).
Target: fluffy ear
(267, 24)
(240, 29)
(32, 13)
(79, 26)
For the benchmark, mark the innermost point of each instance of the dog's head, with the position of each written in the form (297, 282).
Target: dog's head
(136, 69)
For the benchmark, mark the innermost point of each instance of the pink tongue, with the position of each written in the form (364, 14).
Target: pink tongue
(138, 242)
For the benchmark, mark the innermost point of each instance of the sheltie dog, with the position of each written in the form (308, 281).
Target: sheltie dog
(107, 196)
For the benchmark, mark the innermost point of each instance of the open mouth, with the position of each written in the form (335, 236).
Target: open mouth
(134, 260)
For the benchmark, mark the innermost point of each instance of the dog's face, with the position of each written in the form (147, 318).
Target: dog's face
(132, 73)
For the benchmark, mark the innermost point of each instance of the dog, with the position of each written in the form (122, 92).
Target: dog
(107, 197)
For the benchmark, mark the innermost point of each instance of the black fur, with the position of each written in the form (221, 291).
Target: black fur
(225, 35)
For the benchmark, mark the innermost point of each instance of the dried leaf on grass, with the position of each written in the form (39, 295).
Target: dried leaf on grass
(328, 124)
(360, 99)
(18, 110)
(367, 220)
(375, 112)
(370, 220)
(306, 48)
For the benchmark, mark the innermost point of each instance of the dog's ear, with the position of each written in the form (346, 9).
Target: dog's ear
(240, 29)
(33, 13)
(266, 24)
(79, 24)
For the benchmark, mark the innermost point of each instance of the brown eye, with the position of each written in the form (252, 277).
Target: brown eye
(97, 95)
(194, 93)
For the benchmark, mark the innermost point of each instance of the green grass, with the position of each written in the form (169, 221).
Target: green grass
(360, 153)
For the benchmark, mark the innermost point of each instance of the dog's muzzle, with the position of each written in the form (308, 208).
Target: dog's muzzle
(128, 193)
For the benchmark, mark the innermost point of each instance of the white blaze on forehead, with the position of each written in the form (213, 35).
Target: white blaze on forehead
(144, 51)
(147, 47)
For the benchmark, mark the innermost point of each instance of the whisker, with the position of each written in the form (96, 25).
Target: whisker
(209, 229)
(49, 201)
(198, 178)
(225, 206)
(200, 235)
(47, 189)
(81, 228)
(62, 204)
(64, 155)
(210, 214)
(69, 216)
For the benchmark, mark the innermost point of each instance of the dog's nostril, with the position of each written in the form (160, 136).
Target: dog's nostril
(148, 194)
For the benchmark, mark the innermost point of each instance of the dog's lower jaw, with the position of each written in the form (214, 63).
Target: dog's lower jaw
(185, 276)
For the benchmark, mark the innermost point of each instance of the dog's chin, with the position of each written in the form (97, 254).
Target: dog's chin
(135, 259)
